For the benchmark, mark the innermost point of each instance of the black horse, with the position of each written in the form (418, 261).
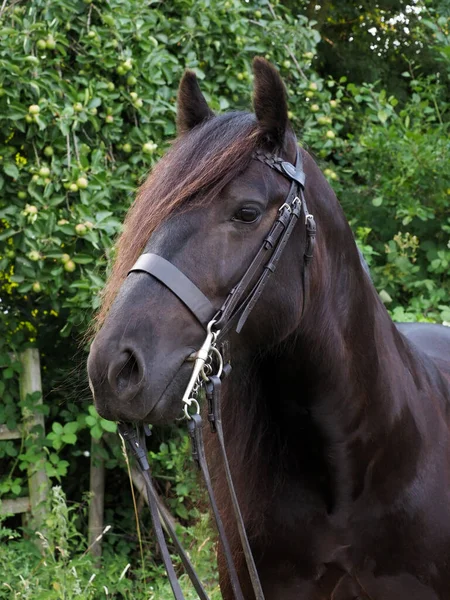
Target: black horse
(336, 422)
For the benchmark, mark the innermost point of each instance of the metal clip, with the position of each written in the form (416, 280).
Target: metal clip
(187, 404)
(200, 359)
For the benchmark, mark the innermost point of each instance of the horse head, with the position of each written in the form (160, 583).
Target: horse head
(206, 208)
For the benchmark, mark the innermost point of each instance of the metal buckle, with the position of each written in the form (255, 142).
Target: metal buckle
(297, 205)
(283, 206)
(309, 217)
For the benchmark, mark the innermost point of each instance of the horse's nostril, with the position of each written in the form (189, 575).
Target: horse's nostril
(127, 372)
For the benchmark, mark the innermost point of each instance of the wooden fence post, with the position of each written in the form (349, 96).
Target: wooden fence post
(38, 482)
(97, 488)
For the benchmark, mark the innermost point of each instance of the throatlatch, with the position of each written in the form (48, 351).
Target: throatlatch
(210, 369)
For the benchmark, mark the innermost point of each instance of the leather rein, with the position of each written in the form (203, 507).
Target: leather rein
(211, 366)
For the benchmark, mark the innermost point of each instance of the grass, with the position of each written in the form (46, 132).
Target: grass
(64, 569)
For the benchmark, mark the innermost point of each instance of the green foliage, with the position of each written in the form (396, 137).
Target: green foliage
(67, 569)
(403, 192)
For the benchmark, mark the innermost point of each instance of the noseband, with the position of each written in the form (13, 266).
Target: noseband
(233, 313)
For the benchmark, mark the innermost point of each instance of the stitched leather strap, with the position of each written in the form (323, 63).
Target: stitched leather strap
(198, 451)
(244, 295)
(178, 283)
(213, 389)
(136, 444)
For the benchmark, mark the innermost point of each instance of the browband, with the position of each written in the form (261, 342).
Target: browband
(178, 283)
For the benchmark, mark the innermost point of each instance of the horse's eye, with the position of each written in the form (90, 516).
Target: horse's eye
(247, 214)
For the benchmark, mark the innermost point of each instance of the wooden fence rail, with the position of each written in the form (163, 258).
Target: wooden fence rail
(38, 482)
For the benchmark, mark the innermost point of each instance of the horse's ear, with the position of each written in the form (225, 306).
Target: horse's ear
(192, 106)
(269, 102)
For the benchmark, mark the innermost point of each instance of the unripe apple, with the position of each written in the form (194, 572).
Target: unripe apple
(82, 183)
(81, 229)
(65, 258)
(44, 171)
(34, 109)
(70, 266)
(36, 287)
(34, 255)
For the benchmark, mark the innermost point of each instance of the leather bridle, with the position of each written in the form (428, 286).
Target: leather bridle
(233, 313)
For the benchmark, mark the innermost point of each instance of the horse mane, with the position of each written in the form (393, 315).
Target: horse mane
(197, 167)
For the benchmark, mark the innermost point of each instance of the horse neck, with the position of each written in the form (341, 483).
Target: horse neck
(345, 375)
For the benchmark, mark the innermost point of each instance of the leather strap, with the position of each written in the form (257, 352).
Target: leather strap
(213, 389)
(285, 168)
(234, 307)
(136, 444)
(168, 274)
(198, 452)
(269, 268)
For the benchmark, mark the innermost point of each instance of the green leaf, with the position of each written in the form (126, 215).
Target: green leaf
(91, 421)
(108, 425)
(11, 170)
(8, 373)
(96, 432)
(69, 438)
(57, 428)
(71, 427)
(383, 115)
